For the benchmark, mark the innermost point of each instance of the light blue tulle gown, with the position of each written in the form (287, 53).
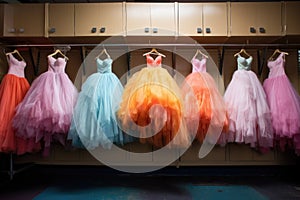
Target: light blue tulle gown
(94, 120)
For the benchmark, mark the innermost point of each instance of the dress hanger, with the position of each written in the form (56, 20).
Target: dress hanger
(154, 52)
(17, 52)
(56, 52)
(274, 53)
(103, 52)
(201, 53)
(242, 51)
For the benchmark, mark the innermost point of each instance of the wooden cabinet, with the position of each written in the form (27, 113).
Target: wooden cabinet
(256, 19)
(61, 19)
(215, 19)
(292, 15)
(98, 19)
(150, 19)
(203, 19)
(24, 20)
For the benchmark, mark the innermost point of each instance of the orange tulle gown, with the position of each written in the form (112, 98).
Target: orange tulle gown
(152, 107)
(13, 88)
(205, 108)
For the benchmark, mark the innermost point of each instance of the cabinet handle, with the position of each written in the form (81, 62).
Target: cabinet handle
(12, 30)
(102, 29)
(208, 30)
(94, 30)
(52, 30)
(21, 30)
(199, 30)
(262, 30)
(252, 30)
(155, 30)
(147, 30)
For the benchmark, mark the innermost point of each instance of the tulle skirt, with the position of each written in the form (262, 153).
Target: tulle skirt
(46, 111)
(94, 120)
(205, 107)
(12, 92)
(284, 103)
(152, 109)
(249, 114)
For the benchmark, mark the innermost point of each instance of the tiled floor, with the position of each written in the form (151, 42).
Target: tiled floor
(280, 183)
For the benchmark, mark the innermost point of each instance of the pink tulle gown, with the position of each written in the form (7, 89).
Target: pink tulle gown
(249, 114)
(13, 88)
(284, 103)
(46, 111)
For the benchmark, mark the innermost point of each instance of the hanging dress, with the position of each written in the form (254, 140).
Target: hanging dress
(13, 88)
(94, 120)
(249, 114)
(284, 103)
(46, 111)
(205, 107)
(152, 107)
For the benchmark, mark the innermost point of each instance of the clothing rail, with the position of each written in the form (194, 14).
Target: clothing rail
(152, 45)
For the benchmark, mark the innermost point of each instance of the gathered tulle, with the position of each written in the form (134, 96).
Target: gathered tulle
(285, 107)
(152, 109)
(204, 106)
(94, 120)
(12, 92)
(248, 111)
(46, 111)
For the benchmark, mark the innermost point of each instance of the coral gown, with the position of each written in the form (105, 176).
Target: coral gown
(284, 103)
(94, 120)
(205, 107)
(249, 114)
(152, 107)
(46, 111)
(13, 88)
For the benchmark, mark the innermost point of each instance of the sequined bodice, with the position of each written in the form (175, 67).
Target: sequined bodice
(277, 66)
(16, 67)
(104, 66)
(199, 65)
(151, 62)
(56, 65)
(244, 63)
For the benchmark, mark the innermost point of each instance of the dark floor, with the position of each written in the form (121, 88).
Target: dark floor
(272, 182)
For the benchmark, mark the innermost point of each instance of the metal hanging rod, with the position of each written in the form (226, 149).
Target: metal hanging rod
(152, 45)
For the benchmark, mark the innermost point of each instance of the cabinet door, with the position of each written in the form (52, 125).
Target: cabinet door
(190, 19)
(61, 20)
(242, 18)
(215, 19)
(138, 18)
(292, 17)
(163, 19)
(268, 18)
(110, 19)
(86, 19)
(24, 20)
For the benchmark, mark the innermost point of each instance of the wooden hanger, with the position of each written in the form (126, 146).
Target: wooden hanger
(201, 53)
(58, 51)
(154, 52)
(103, 52)
(242, 51)
(17, 52)
(274, 53)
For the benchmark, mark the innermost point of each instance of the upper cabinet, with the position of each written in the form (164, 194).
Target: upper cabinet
(256, 18)
(202, 19)
(98, 19)
(26, 20)
(292, 14)
(61, 20)
(150, 19)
